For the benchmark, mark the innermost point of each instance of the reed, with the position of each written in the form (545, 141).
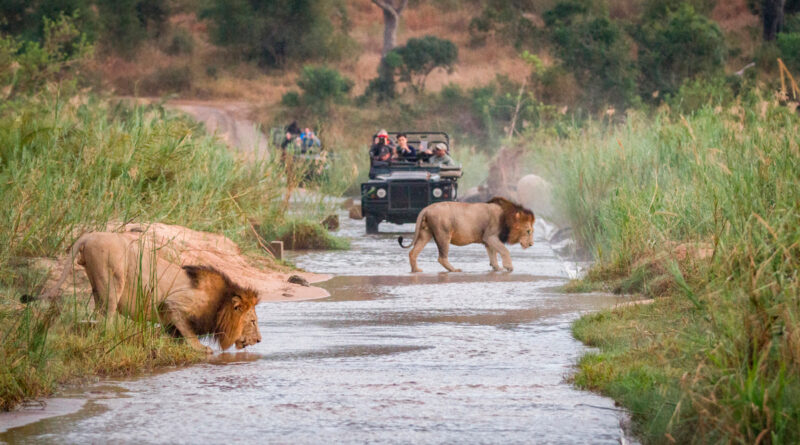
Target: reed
(699, 211)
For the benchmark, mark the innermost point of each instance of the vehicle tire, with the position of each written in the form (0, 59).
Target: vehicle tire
(372, 224)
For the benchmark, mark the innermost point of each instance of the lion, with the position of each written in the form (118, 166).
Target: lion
(492, 223)
(129, 277)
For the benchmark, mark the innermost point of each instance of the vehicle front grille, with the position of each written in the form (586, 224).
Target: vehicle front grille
(408, 196)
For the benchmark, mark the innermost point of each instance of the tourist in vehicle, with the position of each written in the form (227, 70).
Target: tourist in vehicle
(381, 145)
(440, 156)
(309, 141)
(403, 151)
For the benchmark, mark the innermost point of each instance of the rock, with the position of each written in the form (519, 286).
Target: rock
(348, 203)
(331, 222)
(355, 212)
(536, 194)
(297, 279)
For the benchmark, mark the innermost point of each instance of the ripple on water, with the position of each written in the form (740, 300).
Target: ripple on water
(390, 357)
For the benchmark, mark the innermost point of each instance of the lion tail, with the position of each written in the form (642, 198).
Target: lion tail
(417, 228)
(76, 251)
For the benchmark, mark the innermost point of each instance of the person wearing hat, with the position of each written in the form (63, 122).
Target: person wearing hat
(440, 156)
(381, 146)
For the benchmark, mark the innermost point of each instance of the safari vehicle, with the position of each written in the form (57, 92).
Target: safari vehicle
(398, 190)
(315, 161)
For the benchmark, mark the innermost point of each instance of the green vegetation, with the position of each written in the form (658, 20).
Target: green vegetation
(276, 32)
(72, 162)
(699, 211)
(419, 57)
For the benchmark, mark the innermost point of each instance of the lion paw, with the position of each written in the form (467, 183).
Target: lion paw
(509, 268)
(496, 268)
(208, 350)
(416, 270)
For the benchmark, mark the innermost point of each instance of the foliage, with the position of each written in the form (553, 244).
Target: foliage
(169, 79)
(276, 32)
(127, 23)
(322, 87)
(26, 68)
(180, 42)
(419, 57)
(596, 51)
(24, 19)
(506, 19)
(789, 45)
(302, 234)
(678, 46)
(718, 185)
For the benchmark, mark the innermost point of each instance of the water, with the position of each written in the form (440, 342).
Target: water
(390, 357)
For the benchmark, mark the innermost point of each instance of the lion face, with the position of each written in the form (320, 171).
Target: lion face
(522, 230)
(232, 319)
(250, 332)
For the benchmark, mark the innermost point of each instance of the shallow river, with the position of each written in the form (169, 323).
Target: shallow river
(390, 357)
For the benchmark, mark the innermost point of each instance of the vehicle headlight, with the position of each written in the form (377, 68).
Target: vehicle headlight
(381, 193)
(437, 192)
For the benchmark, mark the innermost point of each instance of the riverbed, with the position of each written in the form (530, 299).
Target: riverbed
(389, 357)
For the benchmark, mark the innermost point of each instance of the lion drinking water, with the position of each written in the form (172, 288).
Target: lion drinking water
(129, 276)
(491, 224)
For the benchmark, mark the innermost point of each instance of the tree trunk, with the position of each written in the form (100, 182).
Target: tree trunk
(772, 18)
(391, 17)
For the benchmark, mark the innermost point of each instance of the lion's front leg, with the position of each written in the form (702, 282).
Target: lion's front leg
(505, 255)
(492, 258)
(176, 319)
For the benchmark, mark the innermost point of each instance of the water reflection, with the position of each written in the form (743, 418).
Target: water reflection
(390, 357)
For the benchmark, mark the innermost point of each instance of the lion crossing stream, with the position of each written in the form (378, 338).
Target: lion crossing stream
(390, 357)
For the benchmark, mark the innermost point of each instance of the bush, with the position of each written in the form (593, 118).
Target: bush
(298, 234)
(180, 42)
(789, 45)
(679, 46)
(323, 86)
(291, 99)
(58, 58)
(275, 32)
(596, 51)
(170, 79)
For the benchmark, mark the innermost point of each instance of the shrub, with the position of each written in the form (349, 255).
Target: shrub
(298, 234)
(58, 58)
(291, 99)
(170, 79)
(596, 51)
(275, 32)
(180, 42)
(789, 45)
(679, 46)
(323, 86)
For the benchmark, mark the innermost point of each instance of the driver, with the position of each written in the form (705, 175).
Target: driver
(440, 156)
(403, 150)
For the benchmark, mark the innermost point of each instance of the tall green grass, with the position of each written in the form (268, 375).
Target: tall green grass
(717, 357)
(68, 165)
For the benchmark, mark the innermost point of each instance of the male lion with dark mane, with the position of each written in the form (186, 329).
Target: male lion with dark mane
(129, 275)
(491, 223)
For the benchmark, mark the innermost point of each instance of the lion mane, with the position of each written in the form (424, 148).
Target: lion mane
(225, 321)
(491, 223)
(509, 218)
(130, 276)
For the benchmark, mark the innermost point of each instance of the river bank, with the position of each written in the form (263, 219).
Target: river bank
(698, 212)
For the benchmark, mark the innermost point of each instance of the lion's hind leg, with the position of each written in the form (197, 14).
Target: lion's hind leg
(422, 239)
(442, 240)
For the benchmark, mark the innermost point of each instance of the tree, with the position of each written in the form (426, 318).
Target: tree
(772, 14)
(275, 32)
(391, 17)
(419, 57)
(677, 46)
(596, 51)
